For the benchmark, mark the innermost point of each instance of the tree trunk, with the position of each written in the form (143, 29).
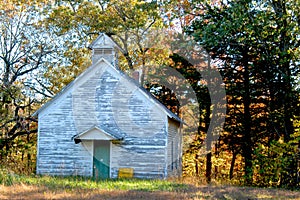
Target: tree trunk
(247, 141)
(232, 165)
(208, 167)
(196, 165)
(216, 167)
(208, 143)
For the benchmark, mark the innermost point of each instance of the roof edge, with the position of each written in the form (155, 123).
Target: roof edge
(77, 138)
(68, 86)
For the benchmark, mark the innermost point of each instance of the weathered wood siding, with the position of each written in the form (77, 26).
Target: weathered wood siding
(103, 97)
(174, 149)
(57, 153)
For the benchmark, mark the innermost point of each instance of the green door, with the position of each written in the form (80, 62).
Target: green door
(101, 159)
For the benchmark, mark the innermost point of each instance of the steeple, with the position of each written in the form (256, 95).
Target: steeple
(104, 47)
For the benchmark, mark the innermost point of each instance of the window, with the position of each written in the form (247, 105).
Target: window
(103, 51)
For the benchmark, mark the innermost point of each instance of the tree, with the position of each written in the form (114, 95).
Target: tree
(23, 52)
(257, 41)
(128, 23)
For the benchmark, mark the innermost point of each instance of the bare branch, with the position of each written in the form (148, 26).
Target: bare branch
(38, 91)
(6, 141)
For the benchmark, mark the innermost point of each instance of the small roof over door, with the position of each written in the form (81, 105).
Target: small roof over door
(94, 133)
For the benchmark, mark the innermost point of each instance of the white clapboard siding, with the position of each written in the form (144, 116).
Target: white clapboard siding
(105, 104)
(125, 111)
(174, 148)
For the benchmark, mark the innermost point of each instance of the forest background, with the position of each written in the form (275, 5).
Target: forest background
(254, 45)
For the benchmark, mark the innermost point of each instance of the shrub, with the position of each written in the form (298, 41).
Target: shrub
(275, 165)
(7, 177)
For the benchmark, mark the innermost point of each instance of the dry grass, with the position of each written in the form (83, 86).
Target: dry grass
(22, 191)
(13, 186)
(34, 192)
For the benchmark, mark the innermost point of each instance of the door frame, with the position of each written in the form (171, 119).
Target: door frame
(110, 153)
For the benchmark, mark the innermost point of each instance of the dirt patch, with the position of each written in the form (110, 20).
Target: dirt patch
(195, 193)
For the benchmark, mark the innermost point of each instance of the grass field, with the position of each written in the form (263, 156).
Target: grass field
(45, 187)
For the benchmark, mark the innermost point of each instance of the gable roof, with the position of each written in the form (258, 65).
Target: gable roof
(150, 96)
(103, 40)
(68, 87)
